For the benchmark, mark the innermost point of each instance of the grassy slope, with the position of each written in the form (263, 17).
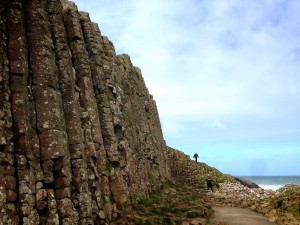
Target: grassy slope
(168, 205)
(174, 204)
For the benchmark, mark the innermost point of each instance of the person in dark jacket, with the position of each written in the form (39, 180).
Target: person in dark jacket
(196, 156)
(209, 182)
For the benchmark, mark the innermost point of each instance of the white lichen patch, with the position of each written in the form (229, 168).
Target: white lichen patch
(46, 125)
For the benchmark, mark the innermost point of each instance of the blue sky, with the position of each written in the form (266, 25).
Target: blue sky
(225, 75)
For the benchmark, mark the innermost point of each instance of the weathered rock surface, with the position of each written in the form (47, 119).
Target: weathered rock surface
(80, 135)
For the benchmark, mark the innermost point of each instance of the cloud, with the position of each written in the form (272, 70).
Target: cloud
(218, 124)
(213, 58)
(218, 70)
(171, 127)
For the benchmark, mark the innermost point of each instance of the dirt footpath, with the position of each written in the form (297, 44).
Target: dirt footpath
(239, 216)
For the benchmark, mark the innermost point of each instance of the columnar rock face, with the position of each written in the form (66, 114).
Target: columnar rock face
(80, 135)
(185, 171)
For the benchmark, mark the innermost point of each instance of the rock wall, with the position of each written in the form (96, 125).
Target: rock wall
(80, 135)
(184, 171)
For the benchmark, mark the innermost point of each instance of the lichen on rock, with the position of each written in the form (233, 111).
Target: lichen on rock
(80, 135)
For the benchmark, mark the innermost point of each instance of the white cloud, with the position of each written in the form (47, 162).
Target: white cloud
(218, 124)
(212, 61)
(209, 56)
(171, 127)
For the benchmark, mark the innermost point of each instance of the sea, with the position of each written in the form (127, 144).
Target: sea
(272, 182)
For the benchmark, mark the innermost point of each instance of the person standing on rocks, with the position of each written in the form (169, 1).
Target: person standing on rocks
(209, 182)
(196, 156)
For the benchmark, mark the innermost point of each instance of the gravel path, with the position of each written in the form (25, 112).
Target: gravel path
(239, 216)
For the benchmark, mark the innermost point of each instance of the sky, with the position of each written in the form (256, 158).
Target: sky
(225, 75)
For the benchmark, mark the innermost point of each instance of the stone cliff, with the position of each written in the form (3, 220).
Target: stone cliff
(80, 136)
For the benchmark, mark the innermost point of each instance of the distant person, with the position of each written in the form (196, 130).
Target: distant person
(209, 182)
(196, 156)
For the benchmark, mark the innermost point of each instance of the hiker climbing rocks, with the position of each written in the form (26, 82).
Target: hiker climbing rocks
(209, 182)
(196, 156)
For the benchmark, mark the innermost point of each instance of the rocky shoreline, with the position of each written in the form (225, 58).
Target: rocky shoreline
(281, 206)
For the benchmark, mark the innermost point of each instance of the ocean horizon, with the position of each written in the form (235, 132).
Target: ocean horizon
(272, 182)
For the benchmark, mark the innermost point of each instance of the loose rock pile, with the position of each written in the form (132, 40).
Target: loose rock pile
(235, 194)
(279, 206)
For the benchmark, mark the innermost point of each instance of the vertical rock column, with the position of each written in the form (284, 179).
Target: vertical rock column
(108, 105)
(159, 153)
(7, 164)
(101, 73)
(141, 127)
(129, 146)
(137, 131)
(93, 45)
(25, 160)
(70, 98)
(50, 123)
(96, 206)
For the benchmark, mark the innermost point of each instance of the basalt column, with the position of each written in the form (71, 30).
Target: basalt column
(98, 180)
(26, 142)
(50, 119)
(109, 157)
(127, 121)
(7, 160)
(108, 109)
(143, 129)
(80, 136)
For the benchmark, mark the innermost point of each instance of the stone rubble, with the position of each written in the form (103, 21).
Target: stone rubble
(257, 199)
